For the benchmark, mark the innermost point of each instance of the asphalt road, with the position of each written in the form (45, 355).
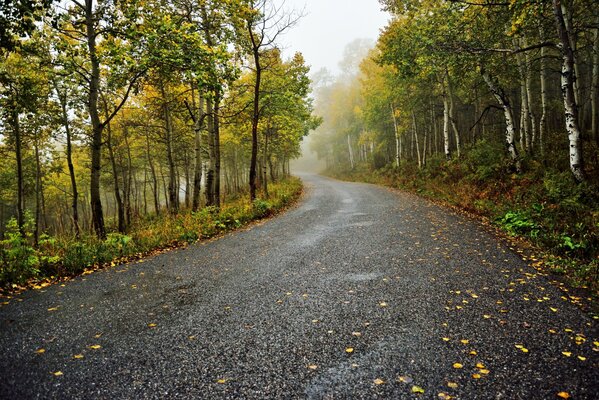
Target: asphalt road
(413, 289)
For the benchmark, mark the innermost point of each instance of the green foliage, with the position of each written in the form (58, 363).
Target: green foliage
(518, 223)
(486, 160)
(19, 260)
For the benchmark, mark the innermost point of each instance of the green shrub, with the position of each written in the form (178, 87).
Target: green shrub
(19, 261)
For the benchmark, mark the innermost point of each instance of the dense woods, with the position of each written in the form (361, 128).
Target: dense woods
(117, 116)
(490, 105)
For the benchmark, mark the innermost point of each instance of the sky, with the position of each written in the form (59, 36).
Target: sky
(328, 26)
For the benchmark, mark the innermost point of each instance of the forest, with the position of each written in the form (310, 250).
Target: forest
(488, 105)
(129, 126)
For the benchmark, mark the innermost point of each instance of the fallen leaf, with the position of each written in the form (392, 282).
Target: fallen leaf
(581, 358)
(446, 339)
(458, 365)
(480, 365)
(464, 341)
(221, 381)
(566, 353)
(417, 389)
(53, 308)
(152, 325)
(404, 379)
(357, 334)
(486, 316)
(473, 353)
(382, 304)
(476, 376)
(563, 395)
(78, 356)
(312, 367)
(378, 381)
(95, 347)
(444, 396)
(452, 385)
(349, 350)
(40, 351)
(57, 373)
(553, 309)
(484, 371)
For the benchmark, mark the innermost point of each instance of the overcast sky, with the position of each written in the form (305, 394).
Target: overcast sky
(328, 26)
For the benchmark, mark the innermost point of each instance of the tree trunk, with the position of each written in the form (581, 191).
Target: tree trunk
(117, 192)
(16, 125)
(416, 140)
(396, 132)
(256, 109)
(524, 113)
(568, 93)
(173, 187)
(69, 154)
(264, 169)
(529, 101)
(38, 192)
(154, 178)
(446, 124)
(595, 86)
(97, 126)
(210, 200)
(454, 126)
(543, 79)
(128, 178)
(508, 114)
(217, 172)
(350, 152)
(197, 173)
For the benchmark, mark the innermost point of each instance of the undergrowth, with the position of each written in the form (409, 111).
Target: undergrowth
(54, 257)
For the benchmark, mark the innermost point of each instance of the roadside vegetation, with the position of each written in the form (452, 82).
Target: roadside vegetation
(490, 107)
(22, 264)
(132, 125)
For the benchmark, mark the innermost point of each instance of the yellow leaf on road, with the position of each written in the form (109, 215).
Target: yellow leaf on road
(57, 373)
(476, 376)
(382, 304)
(152, 325)
(349, 350)
(78, 356)
(464, 341)
(221, 381)
(40, 351)
(458, 365)
(378, 381)
(452, 385)
(95, 347)
(566, 353)
(563, 395)
(312, 367)
(53, 308)
(417, 389)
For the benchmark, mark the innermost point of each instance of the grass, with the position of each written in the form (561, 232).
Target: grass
(22, 265)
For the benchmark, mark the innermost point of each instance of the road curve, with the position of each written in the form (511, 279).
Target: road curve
(425, 298)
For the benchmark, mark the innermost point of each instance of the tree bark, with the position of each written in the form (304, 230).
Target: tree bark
(543, 82)
(16, 125)
(568, 93)
(97, 126)
(454, 126)
(117, 192)
(508, 114)
(397, 142)
(446, 123)
(256, 108)
(69, 154)
(197, 126)
(595, 86)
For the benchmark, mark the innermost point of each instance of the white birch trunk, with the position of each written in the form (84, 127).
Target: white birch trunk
(446, 124)
(524, 113)
(508, 114)
(351, 152)
(456, 133)
(568, 93)
(529, 99)
(543, 79)
(416, 140)
(397, 141)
